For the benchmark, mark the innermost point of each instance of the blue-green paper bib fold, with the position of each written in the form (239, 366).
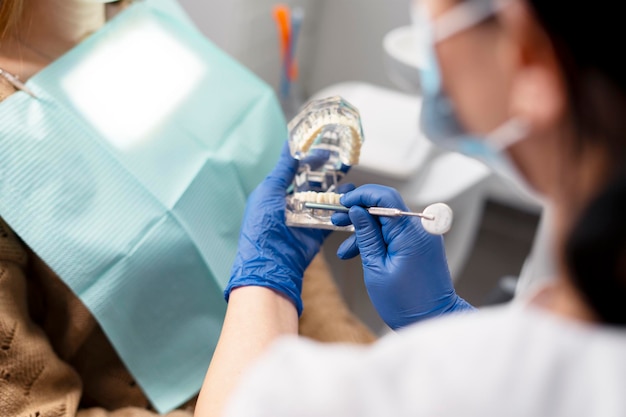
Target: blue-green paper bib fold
(128, 175)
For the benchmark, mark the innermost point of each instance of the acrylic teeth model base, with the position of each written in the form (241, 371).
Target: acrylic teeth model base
(326, 137)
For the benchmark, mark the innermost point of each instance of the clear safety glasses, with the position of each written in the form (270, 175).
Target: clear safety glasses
(429, 31)
(459, 18)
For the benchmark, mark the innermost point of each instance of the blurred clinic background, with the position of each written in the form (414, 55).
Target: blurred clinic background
(363, 51)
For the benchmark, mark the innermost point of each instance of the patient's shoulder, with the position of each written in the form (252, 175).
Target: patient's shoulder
(6, 89)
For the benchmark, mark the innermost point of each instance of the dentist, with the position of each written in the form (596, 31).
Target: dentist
(535, 88)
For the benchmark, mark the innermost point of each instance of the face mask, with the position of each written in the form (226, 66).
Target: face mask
(128, 175)
(438, 118)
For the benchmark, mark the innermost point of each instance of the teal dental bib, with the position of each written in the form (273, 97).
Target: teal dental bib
(128, 175)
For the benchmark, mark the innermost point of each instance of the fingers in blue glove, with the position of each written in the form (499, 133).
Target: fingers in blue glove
(404, 268)
(365, 196)
(372, 195)
(346, 188)
(316, 158)
(283, 173)
(348, 249)
(270, 254)
(341, 219)
(368, 236)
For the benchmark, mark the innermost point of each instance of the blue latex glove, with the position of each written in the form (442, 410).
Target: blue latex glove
(270, 253)
(404, 267)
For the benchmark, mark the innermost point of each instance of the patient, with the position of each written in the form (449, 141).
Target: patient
(54, 358)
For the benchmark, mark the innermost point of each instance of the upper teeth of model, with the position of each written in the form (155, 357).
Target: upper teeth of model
(318, 116)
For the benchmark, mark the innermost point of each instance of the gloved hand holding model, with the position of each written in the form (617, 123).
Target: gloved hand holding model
(271, 254)
(405, 268)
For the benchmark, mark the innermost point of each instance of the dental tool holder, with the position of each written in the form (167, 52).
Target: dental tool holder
(326, 137)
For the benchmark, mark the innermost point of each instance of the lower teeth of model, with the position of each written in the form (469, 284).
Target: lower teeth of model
(315, 197)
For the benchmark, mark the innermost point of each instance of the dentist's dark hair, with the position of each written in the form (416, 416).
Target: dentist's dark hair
(588, 39)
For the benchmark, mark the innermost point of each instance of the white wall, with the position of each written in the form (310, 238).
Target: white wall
(349, 40)
(341, 39)
(246, 30)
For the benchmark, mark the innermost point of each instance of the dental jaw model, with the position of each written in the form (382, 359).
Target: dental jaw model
(326, 137)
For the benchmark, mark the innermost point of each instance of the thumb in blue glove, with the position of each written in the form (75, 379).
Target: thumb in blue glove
(404, 267)
(271, 254)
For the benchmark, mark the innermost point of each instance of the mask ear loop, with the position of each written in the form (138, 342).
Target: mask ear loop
(509, 133)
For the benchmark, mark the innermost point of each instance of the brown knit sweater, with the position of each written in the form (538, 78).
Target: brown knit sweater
(55, 360)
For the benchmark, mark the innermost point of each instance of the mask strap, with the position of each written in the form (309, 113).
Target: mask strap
(508, 134)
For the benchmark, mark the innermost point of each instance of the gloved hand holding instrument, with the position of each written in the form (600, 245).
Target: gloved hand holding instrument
(270, 253)
(404, 267)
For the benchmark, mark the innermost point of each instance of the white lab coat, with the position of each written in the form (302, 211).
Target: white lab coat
(539, 269)
(509, 361)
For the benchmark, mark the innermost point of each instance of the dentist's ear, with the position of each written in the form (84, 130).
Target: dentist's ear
(538, 92)
(538, 96)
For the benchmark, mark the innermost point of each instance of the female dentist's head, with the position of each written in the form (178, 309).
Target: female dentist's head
(541, 83)
(491, 82)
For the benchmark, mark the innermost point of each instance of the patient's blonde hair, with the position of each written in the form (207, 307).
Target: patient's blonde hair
(10, 13)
